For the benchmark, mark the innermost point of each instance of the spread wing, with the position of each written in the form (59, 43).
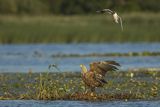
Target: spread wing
(108, 10)
(105, 10)
(121, 22)
(100, 68)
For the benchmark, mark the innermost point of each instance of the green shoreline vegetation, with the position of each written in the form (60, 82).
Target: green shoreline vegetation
(138, 27)
(129, 54)
(129, 85)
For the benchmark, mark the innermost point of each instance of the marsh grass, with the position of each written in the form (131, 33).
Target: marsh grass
(48, 88)
(129, 85)
(138, 27)
(144, 53)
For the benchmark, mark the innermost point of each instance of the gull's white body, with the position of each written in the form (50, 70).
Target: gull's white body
(115, 17)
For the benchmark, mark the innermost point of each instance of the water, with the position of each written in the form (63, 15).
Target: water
(22, 58)
(33, 103)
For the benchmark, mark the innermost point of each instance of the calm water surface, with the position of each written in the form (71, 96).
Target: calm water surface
(22, 58)
(32, 103)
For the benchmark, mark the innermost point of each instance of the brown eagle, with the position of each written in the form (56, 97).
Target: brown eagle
(94, 77)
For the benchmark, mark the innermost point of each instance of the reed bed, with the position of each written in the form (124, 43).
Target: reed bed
(138, 27)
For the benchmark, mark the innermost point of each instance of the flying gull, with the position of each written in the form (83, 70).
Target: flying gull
(116, 17)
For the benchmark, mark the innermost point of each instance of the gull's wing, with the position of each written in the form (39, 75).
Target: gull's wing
(53, 66)
(108, 10)
(105, 10)
(100, 68)
(120, 19)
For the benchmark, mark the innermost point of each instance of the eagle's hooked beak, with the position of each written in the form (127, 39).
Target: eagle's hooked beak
(81, 65)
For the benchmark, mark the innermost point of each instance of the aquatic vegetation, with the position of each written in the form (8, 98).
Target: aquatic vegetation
(128, 85)
(109, 54)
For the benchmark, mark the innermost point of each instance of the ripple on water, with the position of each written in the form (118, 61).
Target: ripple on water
(33, 103)
(37, 57)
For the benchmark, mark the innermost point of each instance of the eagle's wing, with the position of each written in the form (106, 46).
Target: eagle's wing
(100, 68)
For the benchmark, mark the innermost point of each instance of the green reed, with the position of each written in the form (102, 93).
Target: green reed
(138, 27)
